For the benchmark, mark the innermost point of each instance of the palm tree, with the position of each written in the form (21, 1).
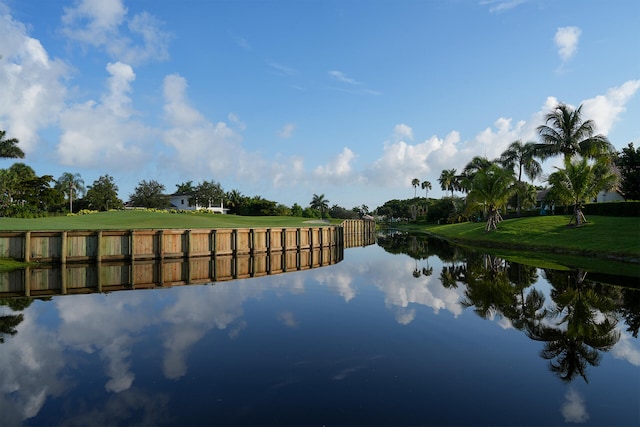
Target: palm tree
(68, 183)
(476, 164)
(566, 133)
(448, 180)
(426, 186)
(520, 156)
(319, 202)
(415, 182)
(580, 182)
(491, 188)
(9, 147)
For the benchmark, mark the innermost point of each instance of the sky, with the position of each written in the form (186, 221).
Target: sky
(286, 99)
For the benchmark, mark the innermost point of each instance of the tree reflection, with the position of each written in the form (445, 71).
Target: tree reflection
(9, 322)
(586, 325)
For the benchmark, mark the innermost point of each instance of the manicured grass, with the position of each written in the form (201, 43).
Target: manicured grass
(601, 236)
(127, 220)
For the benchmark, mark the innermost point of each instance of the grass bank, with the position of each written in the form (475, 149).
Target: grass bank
(139, 219)
(614, 238)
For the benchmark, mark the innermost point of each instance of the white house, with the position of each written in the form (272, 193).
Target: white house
(609, 196)
(181, 201)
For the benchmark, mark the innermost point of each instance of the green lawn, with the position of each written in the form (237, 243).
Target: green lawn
(126, 220)
(617, 237)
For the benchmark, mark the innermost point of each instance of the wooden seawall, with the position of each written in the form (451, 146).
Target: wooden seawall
(135, 245)
(76, 262)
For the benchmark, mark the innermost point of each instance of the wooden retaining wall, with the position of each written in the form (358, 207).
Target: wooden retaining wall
(357, 232)
(117, 245)
(82, 278)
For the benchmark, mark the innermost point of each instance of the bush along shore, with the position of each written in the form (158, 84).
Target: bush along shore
(605, 237)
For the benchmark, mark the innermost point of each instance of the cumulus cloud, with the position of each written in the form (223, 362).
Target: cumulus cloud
(105, 134)
(200, 146)
(32, 92)
(605, 110)
(566, 40)
(106, 24)
(338, 168)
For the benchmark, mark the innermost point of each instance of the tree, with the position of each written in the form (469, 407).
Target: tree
(491, 188)
(69, 183)
(207, 193)
(476, 164)
(9, 147)
(185, 188)
(628, 163)
(426, 186)
(580, 182)
(448, 180)
(235, 199)
(319, 203)
(149, 194)
(521, 157)
(102, 195)
(415, 182)
(566, 133)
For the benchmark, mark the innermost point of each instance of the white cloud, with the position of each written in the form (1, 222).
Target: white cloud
(573, 408)
(338, 168)
(287, 131)
(402, 131)
(605, 110)
(342, 77)
(497, 6)
(105, 135)
(203, 148)
(106, 24)
(32, 94)
(566, 39)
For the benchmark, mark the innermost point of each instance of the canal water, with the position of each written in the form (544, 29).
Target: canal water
(408, 331)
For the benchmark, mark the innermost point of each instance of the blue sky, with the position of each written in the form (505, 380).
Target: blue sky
(284, 99)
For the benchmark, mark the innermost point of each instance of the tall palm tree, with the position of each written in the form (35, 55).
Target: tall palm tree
(415, 182)
(320, 203)
(491, 188)
(521, 157)
(580, 182)
(448, 180)
(426, 185)
(9, 147)
(70, 183)
(566, 133)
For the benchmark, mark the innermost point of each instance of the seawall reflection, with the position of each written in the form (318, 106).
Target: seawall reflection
(127, 275)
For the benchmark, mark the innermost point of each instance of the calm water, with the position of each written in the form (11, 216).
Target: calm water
(412, 333)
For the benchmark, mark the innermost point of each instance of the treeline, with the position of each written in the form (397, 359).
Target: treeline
(24, 194)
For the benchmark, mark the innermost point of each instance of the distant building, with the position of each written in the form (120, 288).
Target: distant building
(181, 201)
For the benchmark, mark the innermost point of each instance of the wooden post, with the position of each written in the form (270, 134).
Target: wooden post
(132, 247)
(160, 244)
(63, 247)
(27, 247)
(99, 247)
(188, 237)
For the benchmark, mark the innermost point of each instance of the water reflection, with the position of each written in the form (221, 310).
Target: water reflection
(576, 327)
(393, 336)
